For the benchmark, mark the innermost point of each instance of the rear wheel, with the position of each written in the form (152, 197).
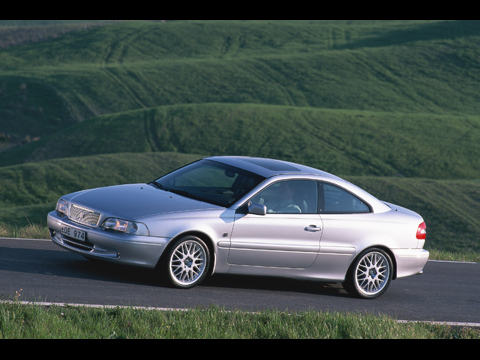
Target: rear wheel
(370, 274)
(187, 262)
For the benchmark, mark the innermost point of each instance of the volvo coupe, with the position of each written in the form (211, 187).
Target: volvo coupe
(245, 215)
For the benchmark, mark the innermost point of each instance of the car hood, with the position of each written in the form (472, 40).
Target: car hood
(135, 201)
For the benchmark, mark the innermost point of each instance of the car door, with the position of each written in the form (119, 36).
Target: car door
(287, 236)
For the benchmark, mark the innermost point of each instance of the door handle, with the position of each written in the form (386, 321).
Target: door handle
(312, 228)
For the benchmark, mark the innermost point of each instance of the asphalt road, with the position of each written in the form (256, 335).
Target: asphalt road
(41, 271)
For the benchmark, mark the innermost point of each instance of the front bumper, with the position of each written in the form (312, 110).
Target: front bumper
(144, 251)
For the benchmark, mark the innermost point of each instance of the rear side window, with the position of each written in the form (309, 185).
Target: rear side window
(335, 200)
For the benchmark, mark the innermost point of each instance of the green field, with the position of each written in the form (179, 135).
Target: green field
(18, 321)
(390, 105)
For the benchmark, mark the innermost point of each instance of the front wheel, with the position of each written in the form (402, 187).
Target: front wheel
(187, 262)
(370, 274)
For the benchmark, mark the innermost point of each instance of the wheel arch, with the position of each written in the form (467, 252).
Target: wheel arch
(201, 235)
(381, 247)
(368, 282)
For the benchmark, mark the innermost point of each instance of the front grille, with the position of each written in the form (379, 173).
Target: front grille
(84, 216)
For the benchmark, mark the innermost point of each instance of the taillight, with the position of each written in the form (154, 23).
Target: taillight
(422, 231)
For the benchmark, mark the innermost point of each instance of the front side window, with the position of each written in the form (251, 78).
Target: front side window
(335, 200)
(210, 181)
(289, 197)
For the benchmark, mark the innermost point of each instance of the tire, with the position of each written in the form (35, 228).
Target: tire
(187, 262)
(369, 275)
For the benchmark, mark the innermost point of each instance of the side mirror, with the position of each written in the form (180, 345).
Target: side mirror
(257, 209)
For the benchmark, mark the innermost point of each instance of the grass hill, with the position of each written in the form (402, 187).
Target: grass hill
(344, 142)
(20, 32)
(392, 105)
(136, 65)
(38, 23)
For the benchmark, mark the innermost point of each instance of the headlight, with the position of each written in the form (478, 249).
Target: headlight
(62, 207)
(125, 226)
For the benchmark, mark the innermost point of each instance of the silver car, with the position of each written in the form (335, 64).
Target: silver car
(245, 215)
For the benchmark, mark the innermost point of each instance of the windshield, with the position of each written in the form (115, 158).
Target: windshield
(210, 181)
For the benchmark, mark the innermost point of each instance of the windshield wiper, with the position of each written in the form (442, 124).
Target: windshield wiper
(159, 186)
(184, 193)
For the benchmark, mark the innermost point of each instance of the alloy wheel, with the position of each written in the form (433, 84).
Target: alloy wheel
(372, 273)
(188, 263)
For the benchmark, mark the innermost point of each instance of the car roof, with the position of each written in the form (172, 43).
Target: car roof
(270, 167)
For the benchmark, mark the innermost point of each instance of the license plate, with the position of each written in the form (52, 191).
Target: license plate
(74, 233)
